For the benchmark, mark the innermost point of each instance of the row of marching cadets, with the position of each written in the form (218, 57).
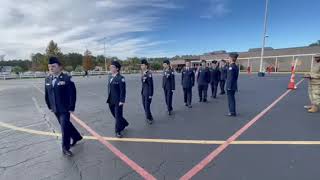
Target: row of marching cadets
(60, 92)
(223, 74)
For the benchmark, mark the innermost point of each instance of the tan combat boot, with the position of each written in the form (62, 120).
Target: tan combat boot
(307, 107)
(313, 109)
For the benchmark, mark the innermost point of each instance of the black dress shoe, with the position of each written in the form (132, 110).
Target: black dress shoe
(149, 121)
(74, 142)
(119, 135)
(186, 104)
(189, 106)
(231, 115)
(205, 100)
(169, 113)
(67, 152)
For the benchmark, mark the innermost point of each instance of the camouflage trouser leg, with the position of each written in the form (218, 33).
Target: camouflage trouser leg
(314, 94)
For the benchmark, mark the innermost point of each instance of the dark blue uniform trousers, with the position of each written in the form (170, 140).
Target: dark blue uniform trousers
(146, 101)
(187, 92)
(117, 113)
(214, 88)
(232, 101)
(222, 86)
(168, 95)
(68, 131)
(203, 89)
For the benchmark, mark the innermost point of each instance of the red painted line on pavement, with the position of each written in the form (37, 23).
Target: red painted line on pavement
(116, 151)
(112, 148)
(196, 169)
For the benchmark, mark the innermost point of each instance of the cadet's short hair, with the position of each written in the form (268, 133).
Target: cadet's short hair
(116, 64)
(234, 55)
(145, 62)
(166, 62)
(54, 60)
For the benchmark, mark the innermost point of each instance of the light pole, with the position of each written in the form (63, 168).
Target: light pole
(104, 54)
(261, 71)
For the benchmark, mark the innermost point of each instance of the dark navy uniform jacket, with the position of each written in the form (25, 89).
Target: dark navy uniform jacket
(116, 89)
(223, 72)
(214, 75)
(232, 77)
(203, 76)
(61, 96)
(147, 84)
(168, 80)
(187, 78)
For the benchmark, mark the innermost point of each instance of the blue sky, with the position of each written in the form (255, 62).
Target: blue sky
(154, 28)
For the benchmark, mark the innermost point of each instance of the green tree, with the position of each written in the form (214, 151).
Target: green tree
(54, 50)
(79, 68)
(17, 69)
(73, 59)
(39, 62)
(156, 66)
(68, 68)
(315, 44)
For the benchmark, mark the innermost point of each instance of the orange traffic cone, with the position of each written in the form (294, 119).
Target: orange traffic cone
(292, 84)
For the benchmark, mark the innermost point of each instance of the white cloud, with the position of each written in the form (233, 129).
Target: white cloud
(216, 8)
(28, 26)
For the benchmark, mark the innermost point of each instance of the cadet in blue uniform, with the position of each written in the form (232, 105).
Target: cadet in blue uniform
(147, 89)
(60, 96)
(232, 83)
(223, 77)
(187, 82)
(116, 97)
(214, 78)
(203, 79)
(168, 84)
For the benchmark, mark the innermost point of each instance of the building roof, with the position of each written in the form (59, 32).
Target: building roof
(178, 62)
(281, 52)
(254, 53)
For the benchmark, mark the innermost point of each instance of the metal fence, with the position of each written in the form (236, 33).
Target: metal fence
(278, 63)
(7, 76)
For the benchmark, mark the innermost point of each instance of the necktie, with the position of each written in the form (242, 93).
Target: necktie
(54, 81)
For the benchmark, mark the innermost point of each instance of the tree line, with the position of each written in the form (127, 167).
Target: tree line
(75, 61)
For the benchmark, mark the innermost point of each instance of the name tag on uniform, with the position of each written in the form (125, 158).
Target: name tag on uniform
(48, 84)
(61, 83)
(230, 68)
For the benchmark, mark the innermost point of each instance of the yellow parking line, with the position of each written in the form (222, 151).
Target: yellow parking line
(169, 141)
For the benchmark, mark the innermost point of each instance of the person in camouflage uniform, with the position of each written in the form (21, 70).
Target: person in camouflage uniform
(314, 86)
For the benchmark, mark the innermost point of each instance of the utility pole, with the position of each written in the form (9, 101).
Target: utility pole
(104, 54)
(261, 71)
